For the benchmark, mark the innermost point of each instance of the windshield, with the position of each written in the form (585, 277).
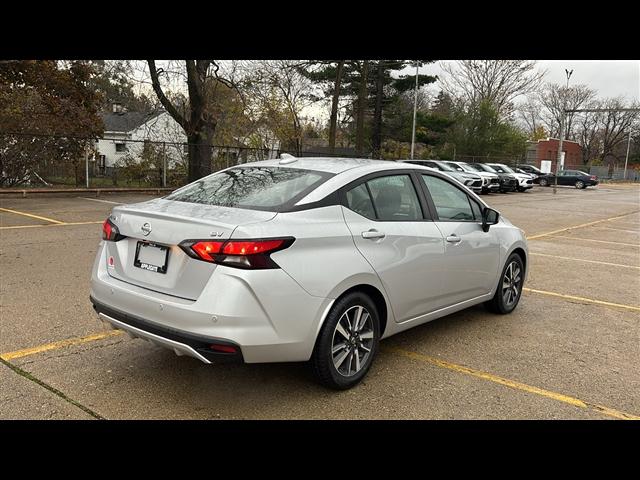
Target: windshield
(456, 167)
(502, 168)
(531, 168)
(254, 188)
(444, 167)
(481, 167)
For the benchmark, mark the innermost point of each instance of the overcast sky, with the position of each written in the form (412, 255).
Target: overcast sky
(610, 78)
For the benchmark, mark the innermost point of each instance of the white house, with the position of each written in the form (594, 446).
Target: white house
(125, 134)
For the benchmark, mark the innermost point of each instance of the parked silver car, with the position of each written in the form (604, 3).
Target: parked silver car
(490, 180)
(304, 259)
(468, 179)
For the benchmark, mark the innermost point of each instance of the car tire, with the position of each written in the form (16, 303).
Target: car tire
(342, 370)
(502, 302)
(544, 182)
(580, 184)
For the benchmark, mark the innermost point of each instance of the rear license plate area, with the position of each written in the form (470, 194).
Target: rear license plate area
(151, 257)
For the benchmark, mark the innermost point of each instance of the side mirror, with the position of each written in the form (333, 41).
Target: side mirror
(489, 217)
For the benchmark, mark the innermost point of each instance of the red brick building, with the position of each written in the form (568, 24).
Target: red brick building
(548, 150)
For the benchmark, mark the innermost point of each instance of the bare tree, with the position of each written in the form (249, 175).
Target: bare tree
(333, 120)
(529, 113)
(496, 81)
(280, 95)
(616, 124)
(557, 98)
(588, 133)
(194, 116)
(361, 106)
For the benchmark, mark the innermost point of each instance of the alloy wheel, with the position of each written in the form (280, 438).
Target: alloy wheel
(352, 341)
(511, 283)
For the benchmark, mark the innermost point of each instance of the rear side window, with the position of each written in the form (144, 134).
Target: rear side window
(359, 201)
(451, 203)
(254, 188)
(389, 198)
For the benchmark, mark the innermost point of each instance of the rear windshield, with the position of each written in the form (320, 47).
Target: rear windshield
(254, 188)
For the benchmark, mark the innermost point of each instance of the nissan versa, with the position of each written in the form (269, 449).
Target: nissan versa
(306, 259)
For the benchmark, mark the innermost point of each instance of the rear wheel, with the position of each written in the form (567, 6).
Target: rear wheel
(347, 343)
(544, 182)
(509, 287)
(580, 184)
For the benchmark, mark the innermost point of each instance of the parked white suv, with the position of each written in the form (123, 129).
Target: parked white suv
(304, 259)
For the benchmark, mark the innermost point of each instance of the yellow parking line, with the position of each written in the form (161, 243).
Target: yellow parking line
(417, 356)
(583, 299)
(38, 217)
(581, 225)
(61, 224)
(598, 241)
(584, 260)
(619, 229)
(576, 402)
(58, 345)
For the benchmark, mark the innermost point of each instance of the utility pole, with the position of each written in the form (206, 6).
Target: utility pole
(86, 169)
(562, 122)
(415, 108)
(626, 159)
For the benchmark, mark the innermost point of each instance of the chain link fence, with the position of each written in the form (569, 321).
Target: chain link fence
(62, 162)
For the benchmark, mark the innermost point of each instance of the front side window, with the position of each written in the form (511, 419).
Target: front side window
(451, 203)
(254, 188)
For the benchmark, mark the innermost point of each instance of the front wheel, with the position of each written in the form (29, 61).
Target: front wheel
(544, 182)
(347, 343)
(509, 287)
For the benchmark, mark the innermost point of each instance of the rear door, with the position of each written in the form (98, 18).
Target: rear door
(471, 255)
(392, 229)
(565, 178)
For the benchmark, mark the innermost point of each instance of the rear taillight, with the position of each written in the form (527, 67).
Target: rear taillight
(593, 177)
(110, 232)
(248, 254)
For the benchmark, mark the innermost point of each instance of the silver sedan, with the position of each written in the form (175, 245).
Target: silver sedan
(309, 259)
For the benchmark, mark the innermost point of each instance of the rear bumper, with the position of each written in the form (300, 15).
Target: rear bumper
(182, 343)
(265, 313)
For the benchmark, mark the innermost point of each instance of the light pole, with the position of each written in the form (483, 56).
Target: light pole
(626, 159)
(562, 122)
(415, 109)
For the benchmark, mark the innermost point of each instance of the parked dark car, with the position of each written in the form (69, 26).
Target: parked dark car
(530, 169)
(576, 178)
(508, 183)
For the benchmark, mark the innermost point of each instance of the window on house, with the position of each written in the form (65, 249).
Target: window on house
(121, 147)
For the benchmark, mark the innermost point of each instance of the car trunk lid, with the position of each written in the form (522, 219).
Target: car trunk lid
(153, 231)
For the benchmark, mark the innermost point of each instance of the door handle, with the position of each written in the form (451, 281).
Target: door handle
(453, 238)
(372, 234)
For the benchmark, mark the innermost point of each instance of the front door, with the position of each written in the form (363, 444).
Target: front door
(472, 256)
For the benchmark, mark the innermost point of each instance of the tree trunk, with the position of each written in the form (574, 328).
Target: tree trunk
(361, 108)
(334, 107)
(200, 153)
(376, 137)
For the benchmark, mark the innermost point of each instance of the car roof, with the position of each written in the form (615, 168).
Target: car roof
(327, 164)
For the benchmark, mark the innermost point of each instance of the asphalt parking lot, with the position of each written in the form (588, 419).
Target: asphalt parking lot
(571, 350)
